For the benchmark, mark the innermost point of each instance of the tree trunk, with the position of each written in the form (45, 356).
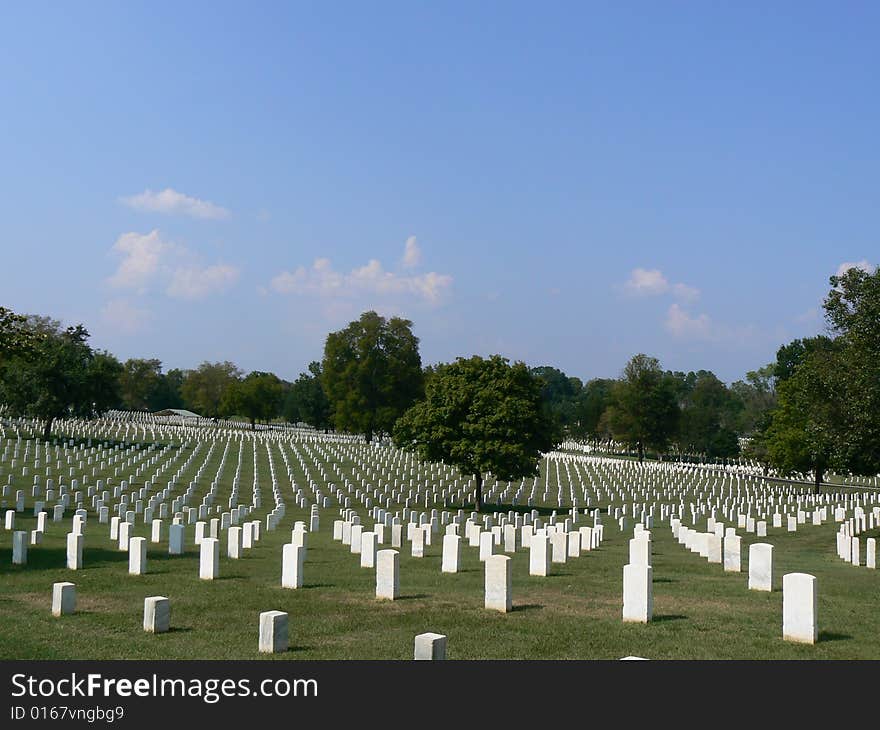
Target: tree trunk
(369, 435)
(478, 500)
(641, 451)
(253, 424)
(47, 429)
(820, 473)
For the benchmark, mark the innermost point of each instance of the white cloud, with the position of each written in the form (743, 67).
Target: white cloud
(681, 324)
(124, 317)
(171, 202)
(412, 254)
(142, 255)
(647, 282)
(193, 282)
(149, 262)
(685, 293)
(324, 281)
(652, 282)
(847, 265)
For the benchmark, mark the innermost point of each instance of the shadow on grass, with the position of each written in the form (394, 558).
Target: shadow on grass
(664, 580)
(668, 617)
(320, 585)
(831, 636)
(412, 596)
(526, 607)
(56, 559)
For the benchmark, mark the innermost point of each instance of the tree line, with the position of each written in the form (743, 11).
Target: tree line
(815, 408)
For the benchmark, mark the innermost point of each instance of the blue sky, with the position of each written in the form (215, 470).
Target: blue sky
(562, 183)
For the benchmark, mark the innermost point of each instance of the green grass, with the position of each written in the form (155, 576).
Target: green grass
(700, 612)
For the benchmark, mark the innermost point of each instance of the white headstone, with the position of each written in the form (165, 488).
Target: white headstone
(209, 558)
(498, 583)
(63, 598)
(638, 593)
(292, 566)
(760, 566)
(273, 632)
(799, 608)
(430, 646)
(387, 574)
(157, 614)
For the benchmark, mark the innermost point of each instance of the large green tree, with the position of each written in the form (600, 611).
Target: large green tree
(757, 396)
(829, 397)
(306, 400)
(371, 373)
(481, 415)
(16, 337)
(593, 400)
(203, 388)
(708, 418)
(256, 397)
(644, 411)
(806, 425)
(560, 394)
(58, 375)
(139, 383)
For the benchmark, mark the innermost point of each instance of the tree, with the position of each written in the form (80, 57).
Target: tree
(258, 396)
(708, 418)
(481, 415)
(372, 373)
(829, 397)
(757, 394)
(103, 382)
(852, 310)
(306, 400)
(560, 393)
(139, 383)
(59, 375)
(594, 399)
(203, 388)
(167, 394)
(644, 412)
(789, 356)
(16, 338)
(805, 426)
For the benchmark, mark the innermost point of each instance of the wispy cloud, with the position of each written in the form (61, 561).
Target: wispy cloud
(863, 265)
(150, 262)
(652, 282)
(197, 283)
(412, 254)
(682, 324)
(322, 280)
(171, 202)
(142, 254)
(646, 282)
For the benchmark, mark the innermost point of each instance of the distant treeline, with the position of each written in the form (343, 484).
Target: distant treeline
(815, 408)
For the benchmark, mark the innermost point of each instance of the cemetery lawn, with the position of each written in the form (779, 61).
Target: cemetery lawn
(700, 612)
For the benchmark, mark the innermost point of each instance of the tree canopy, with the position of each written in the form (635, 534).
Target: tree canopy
(482, 415)
(372, 373)
(644, 411)
(57, 374)
(256, 397)
(203, 388)
(829, 388)
(306, 400)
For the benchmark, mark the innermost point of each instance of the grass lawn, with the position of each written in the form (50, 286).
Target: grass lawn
(700, 612)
